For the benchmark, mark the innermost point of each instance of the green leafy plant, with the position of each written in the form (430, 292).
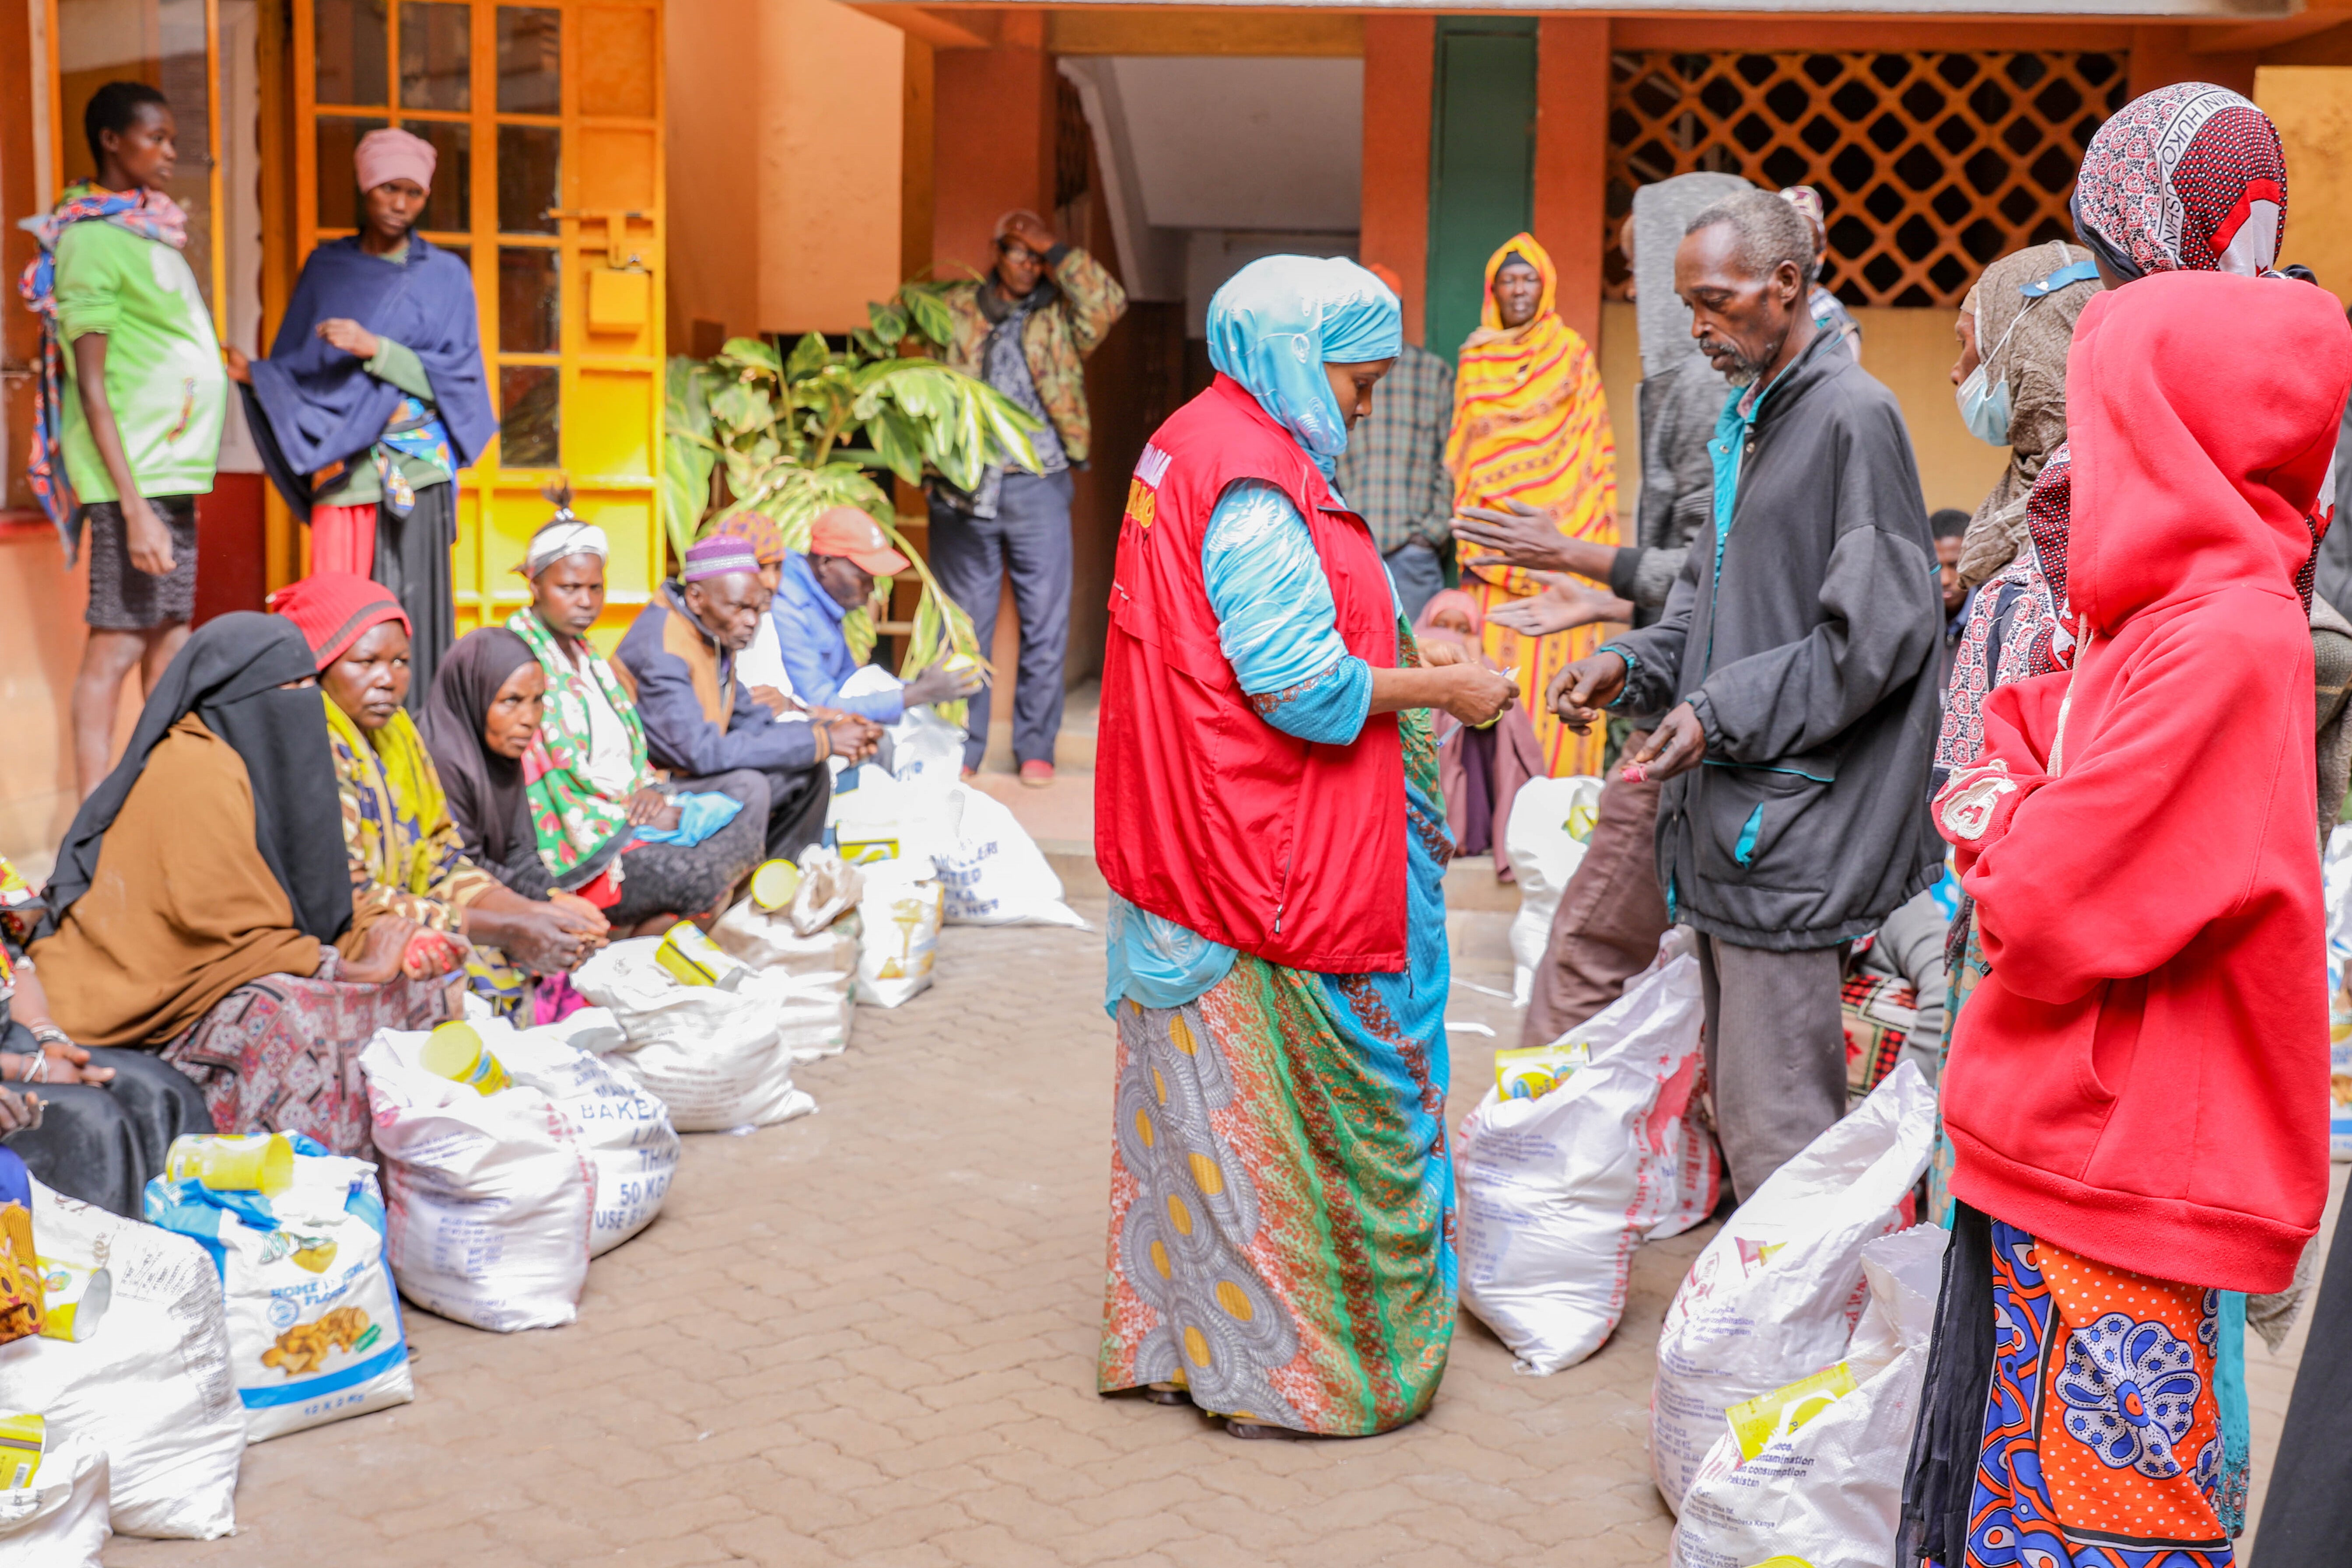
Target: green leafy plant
(784, 433)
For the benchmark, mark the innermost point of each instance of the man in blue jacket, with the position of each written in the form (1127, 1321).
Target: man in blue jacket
(847, 551)
(678, 660)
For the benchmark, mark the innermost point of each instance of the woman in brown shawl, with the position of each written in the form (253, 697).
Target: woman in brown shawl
(202, 904)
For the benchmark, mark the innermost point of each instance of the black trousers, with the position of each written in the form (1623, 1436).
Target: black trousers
(99, 1143)
(2307, 1517)
(797, 799)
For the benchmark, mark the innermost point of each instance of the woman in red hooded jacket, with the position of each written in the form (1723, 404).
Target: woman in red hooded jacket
(2136, 1090)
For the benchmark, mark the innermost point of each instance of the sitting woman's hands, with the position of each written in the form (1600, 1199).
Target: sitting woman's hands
(19, 1112)
(1563, 605)
(64, 1062)
(381, 951)
(942, 684)
(593, 917)
(651, 808)
(552, 938)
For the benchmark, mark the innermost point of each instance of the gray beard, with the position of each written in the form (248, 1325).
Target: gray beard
(1743, 372)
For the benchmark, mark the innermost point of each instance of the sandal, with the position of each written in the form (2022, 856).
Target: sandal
(1167, 1394)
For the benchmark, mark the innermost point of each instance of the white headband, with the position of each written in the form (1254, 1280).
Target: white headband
(561, 538)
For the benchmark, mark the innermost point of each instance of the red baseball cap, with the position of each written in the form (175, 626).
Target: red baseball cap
(847, 532)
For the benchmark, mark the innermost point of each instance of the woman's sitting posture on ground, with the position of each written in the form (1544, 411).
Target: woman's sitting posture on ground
(586, 783)
(201, 907)
(405, 856)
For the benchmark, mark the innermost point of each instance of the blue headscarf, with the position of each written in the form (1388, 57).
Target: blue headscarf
(1277, 321)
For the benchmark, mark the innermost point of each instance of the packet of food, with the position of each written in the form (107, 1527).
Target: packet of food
(23, 1436)
(1530, 1072)
(1755, 1422)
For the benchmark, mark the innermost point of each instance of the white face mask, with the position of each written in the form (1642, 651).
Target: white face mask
(1984, 405)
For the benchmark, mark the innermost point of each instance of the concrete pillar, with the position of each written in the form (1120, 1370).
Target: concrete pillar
(1398, 56)
(1571, 168)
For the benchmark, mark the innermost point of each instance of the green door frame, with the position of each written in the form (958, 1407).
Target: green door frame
(1482, 159)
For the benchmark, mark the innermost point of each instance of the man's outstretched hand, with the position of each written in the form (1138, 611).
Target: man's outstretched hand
(1677, 745)
(1580, 694)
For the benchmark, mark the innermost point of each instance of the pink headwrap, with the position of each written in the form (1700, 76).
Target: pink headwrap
(394, 154)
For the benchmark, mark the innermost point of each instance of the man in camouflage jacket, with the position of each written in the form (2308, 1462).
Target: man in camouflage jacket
(1024, 329)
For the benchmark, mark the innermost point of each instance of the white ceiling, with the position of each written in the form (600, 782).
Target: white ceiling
(1245, 142)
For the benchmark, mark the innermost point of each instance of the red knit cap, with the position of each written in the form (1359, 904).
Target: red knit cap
(333, 609)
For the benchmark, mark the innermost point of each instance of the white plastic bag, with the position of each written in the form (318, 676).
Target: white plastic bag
(875, 819)
(1550, 823)
(1775, 1294)
(489, 1194)
(150, 1382)
(926, 750)
(1558, 1191)
(812, 979)
(314, 1329)
(60, 1520)
(2335, 871)
(712, 1057)
(899, 917)
(1826, 1486)
(626, 1134)
(992, 872)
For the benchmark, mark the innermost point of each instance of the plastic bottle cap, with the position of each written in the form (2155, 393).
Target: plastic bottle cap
(774, 883)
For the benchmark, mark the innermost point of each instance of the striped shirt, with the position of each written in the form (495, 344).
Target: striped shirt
(1393, 470)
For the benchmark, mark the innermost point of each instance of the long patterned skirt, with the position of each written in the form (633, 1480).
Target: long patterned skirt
(2103, 1445)
(282, 1054)
(1282, 1205)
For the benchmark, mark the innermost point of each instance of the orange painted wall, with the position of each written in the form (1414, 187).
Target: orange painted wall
(1399, 54)
(1572, 159)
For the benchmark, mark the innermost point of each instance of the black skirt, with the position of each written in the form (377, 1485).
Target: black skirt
(1950, 1435)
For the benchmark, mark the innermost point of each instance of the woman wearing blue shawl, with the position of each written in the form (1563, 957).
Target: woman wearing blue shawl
(1268, 817)
(373, 398)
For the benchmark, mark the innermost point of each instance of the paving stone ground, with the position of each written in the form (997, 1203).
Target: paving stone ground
(868, 1337)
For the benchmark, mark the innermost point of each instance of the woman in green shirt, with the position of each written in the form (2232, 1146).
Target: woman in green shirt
(132, 405)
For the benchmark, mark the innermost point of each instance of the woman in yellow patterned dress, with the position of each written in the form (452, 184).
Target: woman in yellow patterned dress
(1530, 424)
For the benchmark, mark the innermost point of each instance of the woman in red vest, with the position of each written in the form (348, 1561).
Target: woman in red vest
(1268, 817)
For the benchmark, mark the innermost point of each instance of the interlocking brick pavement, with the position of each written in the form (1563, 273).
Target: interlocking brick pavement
(868, 1336)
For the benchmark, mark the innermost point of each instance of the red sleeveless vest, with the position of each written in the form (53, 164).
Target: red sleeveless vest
(1206, 814)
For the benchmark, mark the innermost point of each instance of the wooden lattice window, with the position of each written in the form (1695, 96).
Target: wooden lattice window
(1929, 164)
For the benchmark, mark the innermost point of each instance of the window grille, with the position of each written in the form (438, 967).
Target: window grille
(1929, 164)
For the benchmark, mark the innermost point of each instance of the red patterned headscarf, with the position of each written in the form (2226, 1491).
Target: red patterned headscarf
(2190, 177)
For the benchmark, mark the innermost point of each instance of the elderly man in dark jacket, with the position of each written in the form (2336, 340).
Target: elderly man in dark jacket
(1611, 914)
(678, 661)
(1797, 654)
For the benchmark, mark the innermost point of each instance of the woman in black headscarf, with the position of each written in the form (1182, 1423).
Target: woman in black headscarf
(483, 721)
(202, 904)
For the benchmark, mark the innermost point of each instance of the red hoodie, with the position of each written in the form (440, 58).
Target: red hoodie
(2143, 1076)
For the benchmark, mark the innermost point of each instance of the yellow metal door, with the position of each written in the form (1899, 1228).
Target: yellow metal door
(548, 122)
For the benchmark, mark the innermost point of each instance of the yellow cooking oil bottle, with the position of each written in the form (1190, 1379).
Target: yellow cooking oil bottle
(251, 1163)
(454, 1051)
(691, 958)
(774, 885)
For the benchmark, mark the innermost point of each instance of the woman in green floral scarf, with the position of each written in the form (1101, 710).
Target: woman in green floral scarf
(586, 783)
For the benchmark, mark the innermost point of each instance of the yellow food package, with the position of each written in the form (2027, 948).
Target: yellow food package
(257, 1162)
(21, 1296)
(21, 1440)
(1530, 1072)
(1754, 1421)
(76, 1295)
